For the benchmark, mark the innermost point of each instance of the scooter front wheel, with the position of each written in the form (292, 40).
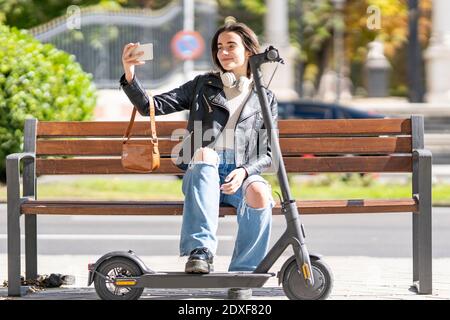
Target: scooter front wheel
(294, 284)
(109, 271)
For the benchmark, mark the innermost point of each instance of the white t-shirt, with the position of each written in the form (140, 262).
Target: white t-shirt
(235, 102)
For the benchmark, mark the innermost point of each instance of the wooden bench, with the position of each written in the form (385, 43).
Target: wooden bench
(343, 146)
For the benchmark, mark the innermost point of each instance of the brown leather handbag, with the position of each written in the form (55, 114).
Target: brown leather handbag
(141, 155)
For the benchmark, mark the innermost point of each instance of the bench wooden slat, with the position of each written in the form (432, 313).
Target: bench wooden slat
(349, 164)
(176, 207)
(346, 145)
(105, 128)
(289, 146)
(94, 147)
(293, 164)
(166, 128)
(346, 127)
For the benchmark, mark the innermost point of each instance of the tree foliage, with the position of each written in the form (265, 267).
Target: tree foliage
(37, 80)
(313, 34)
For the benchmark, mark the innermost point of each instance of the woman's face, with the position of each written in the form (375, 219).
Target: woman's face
(231, 52)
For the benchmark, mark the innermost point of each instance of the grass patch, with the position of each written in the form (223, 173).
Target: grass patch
(122, 189)
(108, 189)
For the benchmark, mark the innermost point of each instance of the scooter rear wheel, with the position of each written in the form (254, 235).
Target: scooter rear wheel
(112, 269)
(294, 285)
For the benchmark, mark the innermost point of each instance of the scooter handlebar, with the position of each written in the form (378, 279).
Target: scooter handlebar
(273, 55)
(269, 55)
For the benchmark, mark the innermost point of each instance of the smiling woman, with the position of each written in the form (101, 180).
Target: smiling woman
(231, 47)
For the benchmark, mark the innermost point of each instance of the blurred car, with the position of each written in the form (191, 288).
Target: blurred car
(304, 109)
(307, 109)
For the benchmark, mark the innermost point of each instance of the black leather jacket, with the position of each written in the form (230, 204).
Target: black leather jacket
(205, 99)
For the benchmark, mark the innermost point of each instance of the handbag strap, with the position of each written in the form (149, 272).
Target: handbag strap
(154, 138)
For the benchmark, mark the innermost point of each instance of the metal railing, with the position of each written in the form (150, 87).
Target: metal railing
(98, 41)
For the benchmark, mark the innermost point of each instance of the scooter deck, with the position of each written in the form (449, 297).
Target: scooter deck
(184, 280)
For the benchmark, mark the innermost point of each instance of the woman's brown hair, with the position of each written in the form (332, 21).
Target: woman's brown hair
(249, 39)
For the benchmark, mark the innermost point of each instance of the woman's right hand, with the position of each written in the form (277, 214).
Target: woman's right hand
(129, 60)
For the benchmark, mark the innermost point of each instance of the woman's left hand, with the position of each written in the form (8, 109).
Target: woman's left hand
(233, 181)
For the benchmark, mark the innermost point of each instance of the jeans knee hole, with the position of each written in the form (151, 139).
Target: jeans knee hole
(205, 153)
(259, 207)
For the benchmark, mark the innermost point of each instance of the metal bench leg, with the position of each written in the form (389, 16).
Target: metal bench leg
(13, 251)
(29, 190)
(30, 247)
(13, 211)
(415, 243)
(422, 225)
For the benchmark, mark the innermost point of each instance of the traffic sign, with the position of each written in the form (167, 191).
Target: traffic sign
(187, 45)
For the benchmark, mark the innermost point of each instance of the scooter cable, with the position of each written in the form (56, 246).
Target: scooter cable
(271, 78)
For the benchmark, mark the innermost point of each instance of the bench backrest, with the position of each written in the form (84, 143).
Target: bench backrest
(356, 145)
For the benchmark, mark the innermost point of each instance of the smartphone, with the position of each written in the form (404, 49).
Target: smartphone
(148, 51)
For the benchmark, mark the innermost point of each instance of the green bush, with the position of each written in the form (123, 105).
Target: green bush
(37, 81)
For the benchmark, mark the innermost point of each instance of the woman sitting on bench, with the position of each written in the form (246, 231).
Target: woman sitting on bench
(234, 151)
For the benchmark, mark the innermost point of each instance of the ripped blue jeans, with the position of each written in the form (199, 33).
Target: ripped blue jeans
(203, 197)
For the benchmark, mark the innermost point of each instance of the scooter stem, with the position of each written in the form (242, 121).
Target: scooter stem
(289, 206)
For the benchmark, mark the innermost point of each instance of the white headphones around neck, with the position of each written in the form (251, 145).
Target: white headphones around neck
(229, 80)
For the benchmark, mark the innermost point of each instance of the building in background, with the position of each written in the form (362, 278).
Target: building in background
(438, 55)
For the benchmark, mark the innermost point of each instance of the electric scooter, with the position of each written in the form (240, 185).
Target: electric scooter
(122, 275)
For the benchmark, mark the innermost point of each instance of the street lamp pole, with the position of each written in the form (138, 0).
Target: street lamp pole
(338, 43)
(188, 25)
(301, 64)
(416, 88)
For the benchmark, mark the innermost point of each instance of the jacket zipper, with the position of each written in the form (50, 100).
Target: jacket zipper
(247, 147)
(214, 104)
(218, 105)
(209, 107)
(247, 99)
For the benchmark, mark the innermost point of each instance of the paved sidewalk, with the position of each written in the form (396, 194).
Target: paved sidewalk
(355, 278)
